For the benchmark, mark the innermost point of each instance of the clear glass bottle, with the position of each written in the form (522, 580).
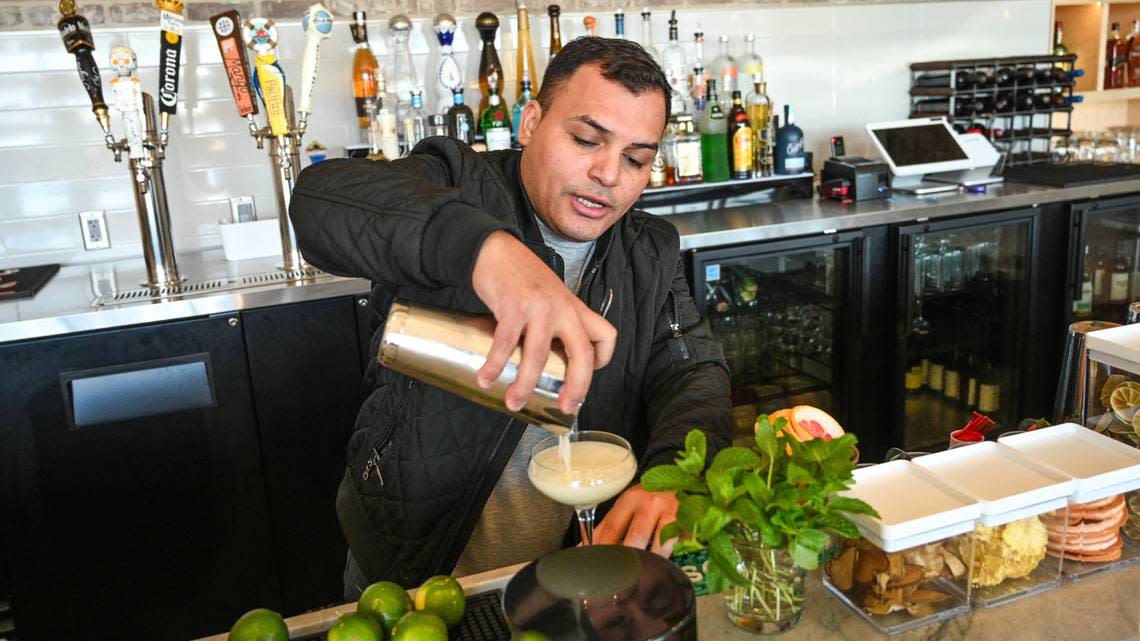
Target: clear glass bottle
(676, 69)
(724, 71)
(750, 64)
(403, 78)
(386, 122)
(364, 73)
(448, 75)
(494, 122)
(698, 79)
(460, 120)
(714, 137)
(414, 122)
(525, 96)
(759, 109)
(645, 38)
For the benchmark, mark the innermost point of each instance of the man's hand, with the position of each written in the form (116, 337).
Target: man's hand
(531, 302)
(636, 520)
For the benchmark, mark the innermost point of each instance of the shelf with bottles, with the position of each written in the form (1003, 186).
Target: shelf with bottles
(1087, 32)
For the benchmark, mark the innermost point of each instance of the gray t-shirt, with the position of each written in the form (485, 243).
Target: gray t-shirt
(519, 523)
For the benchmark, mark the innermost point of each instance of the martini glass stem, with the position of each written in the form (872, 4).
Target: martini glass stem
(586, 523)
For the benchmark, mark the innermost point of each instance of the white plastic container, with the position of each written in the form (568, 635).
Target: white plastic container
(256, 239)
(1101, 468)
(1011, 541)
(918, 518)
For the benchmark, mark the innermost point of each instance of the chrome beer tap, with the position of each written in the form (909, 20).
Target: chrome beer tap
(144, 146)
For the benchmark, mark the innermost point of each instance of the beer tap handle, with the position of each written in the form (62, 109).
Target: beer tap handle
(227, 32)
(260, 35)
(77, 38)
(170, 15)
(127, 98)
(317, 24)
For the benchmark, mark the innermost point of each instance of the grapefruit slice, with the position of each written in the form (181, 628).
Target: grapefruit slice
(809, 422)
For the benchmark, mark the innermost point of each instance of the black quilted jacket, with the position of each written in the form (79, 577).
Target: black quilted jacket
(422, 461)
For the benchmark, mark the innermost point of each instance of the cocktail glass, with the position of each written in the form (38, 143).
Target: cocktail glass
(599, 467)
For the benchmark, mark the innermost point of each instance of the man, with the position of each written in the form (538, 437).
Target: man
(539, 238)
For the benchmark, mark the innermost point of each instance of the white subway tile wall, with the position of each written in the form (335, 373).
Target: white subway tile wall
(840, 66)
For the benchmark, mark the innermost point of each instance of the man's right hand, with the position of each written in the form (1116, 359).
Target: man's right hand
(530, 302)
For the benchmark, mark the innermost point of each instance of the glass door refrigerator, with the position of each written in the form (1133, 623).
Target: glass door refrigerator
(790, 316)
(1104, 248)
(963, 330)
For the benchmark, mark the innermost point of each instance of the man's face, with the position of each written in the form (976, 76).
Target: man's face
(588, 156)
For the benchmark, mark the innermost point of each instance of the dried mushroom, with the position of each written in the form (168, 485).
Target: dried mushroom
(885, 583)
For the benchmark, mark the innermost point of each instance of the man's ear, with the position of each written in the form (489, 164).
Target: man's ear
(530, 117)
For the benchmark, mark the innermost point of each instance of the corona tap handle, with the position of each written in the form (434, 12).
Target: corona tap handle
(76, 33)
(260, 35)
(227, 32)
(170, 42)
(317, 24)
(127, 97)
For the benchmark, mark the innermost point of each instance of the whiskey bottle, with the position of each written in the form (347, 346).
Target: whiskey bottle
(759, 109)
(714, 138)
(742, 160)
(1115, 60)
(460, 120)
(364, 72)
(1134, 55)
(555, 33)
(487, 24)
(494, 123)
(687, 154)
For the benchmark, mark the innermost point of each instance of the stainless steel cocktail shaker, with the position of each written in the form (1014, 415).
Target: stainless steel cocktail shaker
(446, 349)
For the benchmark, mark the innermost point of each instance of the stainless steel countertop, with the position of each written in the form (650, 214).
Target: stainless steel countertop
(64, 305)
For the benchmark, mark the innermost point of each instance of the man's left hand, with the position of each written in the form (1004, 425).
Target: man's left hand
(636, 520)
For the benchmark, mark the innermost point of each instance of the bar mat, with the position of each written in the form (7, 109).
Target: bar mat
(1070, 175)
(483, 620)
(25, 282)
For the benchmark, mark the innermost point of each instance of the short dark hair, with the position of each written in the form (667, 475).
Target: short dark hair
(621, 61)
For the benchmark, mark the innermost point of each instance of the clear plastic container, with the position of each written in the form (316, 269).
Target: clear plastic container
(1018, 497)
(908, 569)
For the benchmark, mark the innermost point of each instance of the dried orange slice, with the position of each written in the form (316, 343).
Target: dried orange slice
(1125, 401)
(1110, 384)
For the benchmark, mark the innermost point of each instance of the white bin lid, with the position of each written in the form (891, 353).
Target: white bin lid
(1116, 346)
(1007, 485)
(914, 508)
(1099, 466)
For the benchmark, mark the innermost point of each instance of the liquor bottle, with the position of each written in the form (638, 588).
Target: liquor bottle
(437, 125)
(714, 137)
(750, 64)
(742, 160)
(403, 79)
(372, 134)
(526, 67)
(460, 120)
(619, 23)
(676, 71)
(686, 152)
(414, 122)
(1100, 279)
(525, 96)
(385, 121)
(1120, 279)
(448, 76)
(789, 145)
(1134, 55)
(364, 72)
(487, 24)
(1059, 48)
(591, 24)
(1115, 60)
(698, 79)
(759, 109)
(724, 70)
(555, 33)
(494, 123)
(645, 38)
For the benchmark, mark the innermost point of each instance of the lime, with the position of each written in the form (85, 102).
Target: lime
(259, 625)
(386, 602)
(530, 635)
(443, 597)
(354, 626)
(419, 626)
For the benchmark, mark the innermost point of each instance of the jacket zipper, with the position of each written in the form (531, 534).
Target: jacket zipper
(373, 462)
(467, 508)
(675, 327)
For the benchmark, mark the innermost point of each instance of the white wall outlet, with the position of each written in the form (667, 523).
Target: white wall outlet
(94, 226)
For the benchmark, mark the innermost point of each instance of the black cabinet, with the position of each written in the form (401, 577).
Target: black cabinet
(132, 486)
(1103, 271)
(304, 362)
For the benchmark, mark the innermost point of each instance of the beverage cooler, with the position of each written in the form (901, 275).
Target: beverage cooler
(963, 331)
(1104, 249)
(789, 315)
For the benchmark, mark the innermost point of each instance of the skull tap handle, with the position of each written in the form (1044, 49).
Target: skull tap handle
(170, 16)
(127, 98)
(317, 24)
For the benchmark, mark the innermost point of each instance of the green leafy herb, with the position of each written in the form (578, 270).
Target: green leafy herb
(781, 493)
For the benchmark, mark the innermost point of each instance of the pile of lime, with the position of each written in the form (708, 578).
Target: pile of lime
(384, 612)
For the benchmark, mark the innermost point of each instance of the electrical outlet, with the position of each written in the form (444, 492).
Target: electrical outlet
(94, 226)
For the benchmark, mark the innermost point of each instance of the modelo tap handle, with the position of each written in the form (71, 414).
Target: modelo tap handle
(170, 19)
(227, 33)
(127, 98)
(317, 24)
(76, 34)
(260, 35)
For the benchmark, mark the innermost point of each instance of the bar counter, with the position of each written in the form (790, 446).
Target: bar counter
(1103, 606)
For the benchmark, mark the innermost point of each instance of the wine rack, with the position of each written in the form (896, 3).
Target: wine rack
(1021, 103)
